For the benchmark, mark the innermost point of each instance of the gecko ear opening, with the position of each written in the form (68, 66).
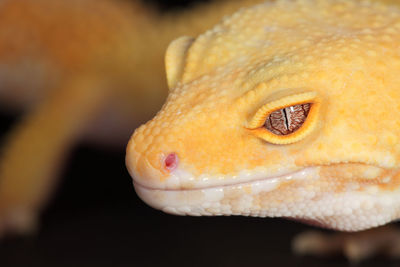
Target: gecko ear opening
(175, 59)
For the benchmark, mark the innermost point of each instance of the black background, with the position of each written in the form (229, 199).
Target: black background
(96, 219)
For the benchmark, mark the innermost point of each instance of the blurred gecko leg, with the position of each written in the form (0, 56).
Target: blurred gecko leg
(355, 246)
(35, 148)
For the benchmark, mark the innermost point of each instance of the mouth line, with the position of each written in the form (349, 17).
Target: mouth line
(301, 173)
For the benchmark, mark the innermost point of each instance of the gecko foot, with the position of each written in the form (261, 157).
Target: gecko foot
(18, 222)
(356, 246)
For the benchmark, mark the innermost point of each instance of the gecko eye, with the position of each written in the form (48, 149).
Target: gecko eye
(286, 120)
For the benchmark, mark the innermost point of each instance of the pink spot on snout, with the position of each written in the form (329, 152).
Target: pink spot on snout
(171, 162)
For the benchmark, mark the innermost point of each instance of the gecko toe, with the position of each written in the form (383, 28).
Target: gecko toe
(18, 222)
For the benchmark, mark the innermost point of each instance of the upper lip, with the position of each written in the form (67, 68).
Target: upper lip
(198, 184)
(288, 175)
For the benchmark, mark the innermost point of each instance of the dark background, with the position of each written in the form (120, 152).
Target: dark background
(96, 219)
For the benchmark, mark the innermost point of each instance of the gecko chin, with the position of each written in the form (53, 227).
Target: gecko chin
(327, 196)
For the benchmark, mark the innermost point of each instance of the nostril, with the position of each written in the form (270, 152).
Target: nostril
(171, 162)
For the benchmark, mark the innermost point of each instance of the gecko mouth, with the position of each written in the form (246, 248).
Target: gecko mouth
(180, 180)
(269, 196)
(348, 197)
(197, 200)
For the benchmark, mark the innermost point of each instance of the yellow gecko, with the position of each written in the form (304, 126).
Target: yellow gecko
(285, 109)
(80, 70)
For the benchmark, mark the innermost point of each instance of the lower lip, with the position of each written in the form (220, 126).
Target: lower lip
(183, 202)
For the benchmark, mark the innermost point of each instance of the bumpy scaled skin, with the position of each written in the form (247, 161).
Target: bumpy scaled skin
(206, 154)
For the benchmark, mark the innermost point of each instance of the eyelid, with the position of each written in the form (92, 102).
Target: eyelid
(261, 115)
(256, 125)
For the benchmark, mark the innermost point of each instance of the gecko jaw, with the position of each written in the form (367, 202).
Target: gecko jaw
(307, 195)
(198, 201)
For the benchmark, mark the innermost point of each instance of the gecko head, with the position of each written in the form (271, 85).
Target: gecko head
(291, 115)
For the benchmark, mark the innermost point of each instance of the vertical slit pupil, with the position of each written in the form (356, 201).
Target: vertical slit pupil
(287, 120)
